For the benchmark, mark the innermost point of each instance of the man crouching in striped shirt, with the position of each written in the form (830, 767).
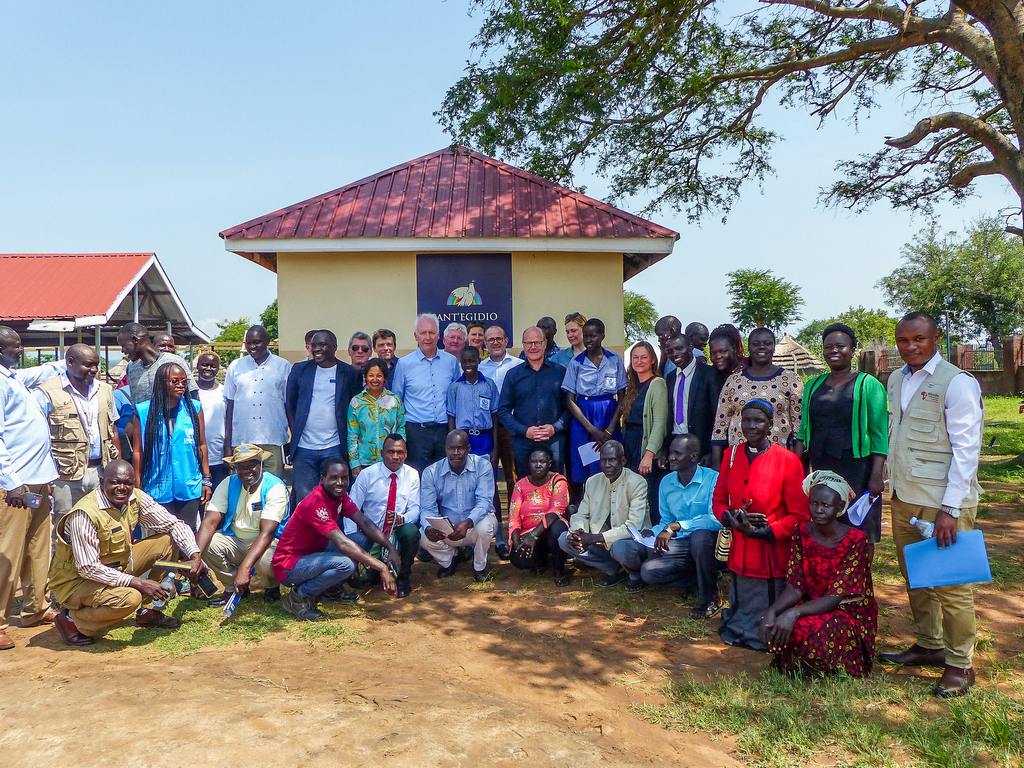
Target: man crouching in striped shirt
(95, 570)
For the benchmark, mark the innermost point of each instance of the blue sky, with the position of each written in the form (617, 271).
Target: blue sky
(151, 127)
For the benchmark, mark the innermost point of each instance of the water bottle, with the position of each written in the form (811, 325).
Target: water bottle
(925, 528)
(230, 605)
(168, 584)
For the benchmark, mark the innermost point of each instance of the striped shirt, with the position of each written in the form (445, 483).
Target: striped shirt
(85, 542)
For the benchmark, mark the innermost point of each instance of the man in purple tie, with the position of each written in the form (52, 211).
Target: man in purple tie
(692, 399)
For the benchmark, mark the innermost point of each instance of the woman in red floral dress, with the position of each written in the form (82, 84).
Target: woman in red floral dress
(826, 618)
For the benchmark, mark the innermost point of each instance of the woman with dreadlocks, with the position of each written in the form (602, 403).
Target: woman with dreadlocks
(170, 452)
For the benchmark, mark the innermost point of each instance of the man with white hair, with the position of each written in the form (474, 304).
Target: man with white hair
(421, 380)
(454, 338)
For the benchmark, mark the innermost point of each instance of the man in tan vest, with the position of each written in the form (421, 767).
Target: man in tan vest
(96, 571)
(83, 430)
(935, 424)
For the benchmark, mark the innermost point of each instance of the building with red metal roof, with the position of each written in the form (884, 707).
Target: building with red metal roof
(358, 257)
(89, 295)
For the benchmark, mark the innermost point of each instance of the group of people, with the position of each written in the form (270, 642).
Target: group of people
(663, 471)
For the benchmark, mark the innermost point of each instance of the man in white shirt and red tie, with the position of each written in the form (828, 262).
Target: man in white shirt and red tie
(388, 494)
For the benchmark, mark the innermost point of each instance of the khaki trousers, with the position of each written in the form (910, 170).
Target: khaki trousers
(943, 616)
(275, 464)
(225, 553)
(24, 557)
(95, 606)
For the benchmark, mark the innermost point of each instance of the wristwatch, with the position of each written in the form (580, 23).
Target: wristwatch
(951, 511)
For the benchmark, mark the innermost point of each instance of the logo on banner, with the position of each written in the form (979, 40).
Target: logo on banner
(466, 296)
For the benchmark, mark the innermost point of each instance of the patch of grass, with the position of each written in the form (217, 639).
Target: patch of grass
(1007, 569)
(203, 628)
(884, 568)
(779, 721)
(1003, 437)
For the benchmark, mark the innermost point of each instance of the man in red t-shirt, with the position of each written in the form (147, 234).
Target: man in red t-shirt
(313, 555)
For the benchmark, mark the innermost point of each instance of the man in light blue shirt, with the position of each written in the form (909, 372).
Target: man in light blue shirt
(460, 488)
(26, 467)
(684, 547)
(421, 380)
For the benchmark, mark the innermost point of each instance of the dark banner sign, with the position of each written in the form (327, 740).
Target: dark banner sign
(463, 287)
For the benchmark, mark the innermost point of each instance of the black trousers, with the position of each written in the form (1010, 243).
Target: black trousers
(546, 550)
(426, 444)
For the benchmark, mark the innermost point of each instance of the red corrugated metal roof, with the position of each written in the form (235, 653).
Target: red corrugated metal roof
(449, 193)
(54, 286)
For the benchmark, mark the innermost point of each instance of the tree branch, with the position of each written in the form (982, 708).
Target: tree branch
(969, 173)
(977, 129)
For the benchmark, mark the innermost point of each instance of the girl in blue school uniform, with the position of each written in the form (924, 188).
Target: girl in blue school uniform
(594, 380)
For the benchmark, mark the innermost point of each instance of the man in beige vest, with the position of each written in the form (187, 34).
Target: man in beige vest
(83, 431)
(935, 424)
(96, 573)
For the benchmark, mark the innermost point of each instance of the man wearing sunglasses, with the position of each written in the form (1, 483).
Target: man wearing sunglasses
(359, 349)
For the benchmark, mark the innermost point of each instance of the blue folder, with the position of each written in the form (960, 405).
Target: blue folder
(965, 562)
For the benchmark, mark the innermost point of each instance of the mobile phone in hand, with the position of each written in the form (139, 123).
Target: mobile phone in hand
(33, 500)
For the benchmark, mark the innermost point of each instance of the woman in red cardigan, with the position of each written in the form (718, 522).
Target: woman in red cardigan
(760, 496)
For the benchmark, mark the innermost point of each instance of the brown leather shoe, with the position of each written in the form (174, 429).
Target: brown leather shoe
(69, 632)
(48, 618)
(915, 656)
(955, 682)
(151, 617)
(5, 642)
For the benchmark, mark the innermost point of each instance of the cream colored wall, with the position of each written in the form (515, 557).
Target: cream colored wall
(346, 292)
(556, 284)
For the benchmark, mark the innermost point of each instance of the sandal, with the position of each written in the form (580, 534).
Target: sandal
(708, 611)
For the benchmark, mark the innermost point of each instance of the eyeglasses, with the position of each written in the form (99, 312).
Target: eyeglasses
(534, 343)
(359, 348)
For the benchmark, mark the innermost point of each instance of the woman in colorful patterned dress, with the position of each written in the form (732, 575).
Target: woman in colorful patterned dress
(373, 414)
(537, 517)
(760, 380)
(826, 618)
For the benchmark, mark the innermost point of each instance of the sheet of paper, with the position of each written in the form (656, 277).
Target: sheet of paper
(589, 453)
(441, 524)
(647, 541)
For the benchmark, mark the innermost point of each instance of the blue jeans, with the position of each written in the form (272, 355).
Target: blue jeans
(595, 556)
(306, 468)
(315, 574)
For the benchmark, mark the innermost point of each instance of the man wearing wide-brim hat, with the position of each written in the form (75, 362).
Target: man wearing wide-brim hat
(246, 514)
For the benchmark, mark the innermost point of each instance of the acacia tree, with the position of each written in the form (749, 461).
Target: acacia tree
(762, 300)
(978, 279)
(664, 95)
(639, 316)
(869, 325)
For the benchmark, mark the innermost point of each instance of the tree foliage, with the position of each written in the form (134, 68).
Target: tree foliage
(760, 299)
(234, 331)
(666, 95)
(978, 279)
(268, 319)
(639, 316)
(869, 325)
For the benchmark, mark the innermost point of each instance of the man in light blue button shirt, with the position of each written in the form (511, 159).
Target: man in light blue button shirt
(421, 380)
(26, 466)
(684, 548)
(460, 488)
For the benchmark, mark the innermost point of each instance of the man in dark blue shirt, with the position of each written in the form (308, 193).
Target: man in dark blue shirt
(532, 404)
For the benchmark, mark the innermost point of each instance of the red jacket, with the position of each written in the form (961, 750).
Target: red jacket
(775, 485)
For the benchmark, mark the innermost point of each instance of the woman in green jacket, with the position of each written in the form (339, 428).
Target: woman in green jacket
(845, 425)
(645, 419)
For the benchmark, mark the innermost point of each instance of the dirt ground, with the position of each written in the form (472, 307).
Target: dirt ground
(511, 672)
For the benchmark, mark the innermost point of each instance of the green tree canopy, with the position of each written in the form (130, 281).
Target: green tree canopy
(869, 325)
(232, 330)
(268, 319)
(760, 299)
(666, 95)
(978, 279)
(639, 315)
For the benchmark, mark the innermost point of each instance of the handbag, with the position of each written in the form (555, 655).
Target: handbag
(724, 541)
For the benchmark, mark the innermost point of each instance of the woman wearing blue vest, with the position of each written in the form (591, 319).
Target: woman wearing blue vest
(170, 450)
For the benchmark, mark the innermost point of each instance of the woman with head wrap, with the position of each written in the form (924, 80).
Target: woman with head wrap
(845, 425)
(826, 618)
(759, 495)
(764, 380)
